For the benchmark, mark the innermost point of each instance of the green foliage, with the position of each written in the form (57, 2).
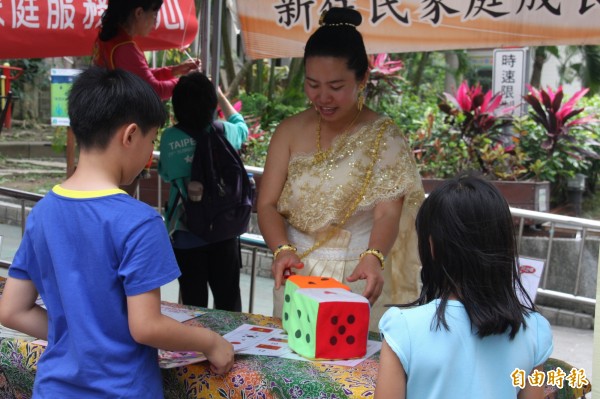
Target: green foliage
(270, 112)
(168, 57)
(262, 117)
(35, 71)
(409, 110)
(438, 147)
(59, 139)
(580, 63)
(424, 71)
(32, 69)
(562, 147)
(255, 150)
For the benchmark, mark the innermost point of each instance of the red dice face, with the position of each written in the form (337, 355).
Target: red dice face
(342, 330)
(296, 282)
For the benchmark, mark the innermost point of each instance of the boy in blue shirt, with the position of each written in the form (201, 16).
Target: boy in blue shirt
(98, 258)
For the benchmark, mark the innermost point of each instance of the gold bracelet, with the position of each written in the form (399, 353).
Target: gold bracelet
(284, 247)
(377, 253)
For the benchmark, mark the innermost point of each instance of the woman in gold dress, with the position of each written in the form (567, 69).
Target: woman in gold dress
(340, 188)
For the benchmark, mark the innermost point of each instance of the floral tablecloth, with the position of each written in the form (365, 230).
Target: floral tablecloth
(252, 377)
(267, 377)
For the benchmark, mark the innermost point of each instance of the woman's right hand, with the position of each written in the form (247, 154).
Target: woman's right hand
(187, 66)
(282, 266)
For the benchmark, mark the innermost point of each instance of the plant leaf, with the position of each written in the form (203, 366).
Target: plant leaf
(576, 97)
(556, 102)
(546, 100)
(536, 105)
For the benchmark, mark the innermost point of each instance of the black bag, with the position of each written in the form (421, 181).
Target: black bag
(222, 209)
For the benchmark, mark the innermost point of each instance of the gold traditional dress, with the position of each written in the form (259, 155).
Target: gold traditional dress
(330, 201)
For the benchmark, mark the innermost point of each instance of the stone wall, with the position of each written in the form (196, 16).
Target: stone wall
(562, 269)
(10, 212)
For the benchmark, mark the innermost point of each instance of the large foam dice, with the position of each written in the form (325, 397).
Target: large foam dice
(325, 323)
(296, 282)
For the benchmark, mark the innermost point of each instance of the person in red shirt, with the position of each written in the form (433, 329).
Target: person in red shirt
(115, 45)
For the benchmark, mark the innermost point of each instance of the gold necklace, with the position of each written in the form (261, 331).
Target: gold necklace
(361, 193)
(321, 156)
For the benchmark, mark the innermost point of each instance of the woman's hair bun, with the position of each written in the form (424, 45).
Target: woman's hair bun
(341, 16)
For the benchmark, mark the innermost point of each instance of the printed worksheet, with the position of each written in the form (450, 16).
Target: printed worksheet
(247, 337)
(266, 341)
(178, 313)
(256, 340)
(372, 348)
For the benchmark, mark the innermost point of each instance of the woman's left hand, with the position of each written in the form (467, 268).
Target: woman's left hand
(386, 219)
(369, 269)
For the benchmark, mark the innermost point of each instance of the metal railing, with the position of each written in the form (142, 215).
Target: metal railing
(580, 228)
(22, 198)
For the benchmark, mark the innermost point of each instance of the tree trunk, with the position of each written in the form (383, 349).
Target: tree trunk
(271, 87)
(419, 73)
(294, 88)
(26, 107)
(258, 82)
(538, 63)
(225, 40)
(451, 69)
(233, 88)
(249, 77)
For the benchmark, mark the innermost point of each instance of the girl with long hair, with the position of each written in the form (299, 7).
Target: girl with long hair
(470, 331)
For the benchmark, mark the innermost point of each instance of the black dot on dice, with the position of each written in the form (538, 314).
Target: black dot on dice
(287, 298)
(342, 330)
(324, 279)
(286, 316)
(311, 282)
(351, 319)
(298, 333)
(333, 340)
(299, 313)
(350, 339)
(334, 320)
(308, 318)
(308, 338)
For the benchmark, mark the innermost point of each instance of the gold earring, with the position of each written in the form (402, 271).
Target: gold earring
(361, 97)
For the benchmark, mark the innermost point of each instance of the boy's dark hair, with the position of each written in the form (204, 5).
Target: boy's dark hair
(194, 101)
(337, 37)
(119, 11)
(468, 248)
(103, 100)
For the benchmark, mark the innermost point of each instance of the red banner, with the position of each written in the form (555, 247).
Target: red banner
(56, 28)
